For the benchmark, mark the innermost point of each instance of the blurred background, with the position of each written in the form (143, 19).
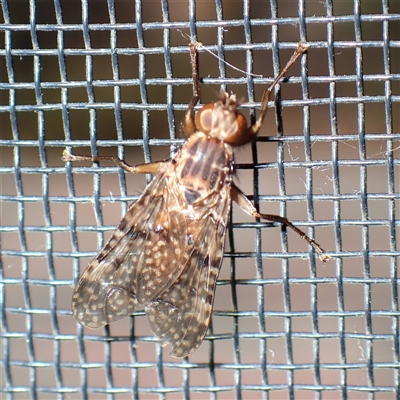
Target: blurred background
(114, 78)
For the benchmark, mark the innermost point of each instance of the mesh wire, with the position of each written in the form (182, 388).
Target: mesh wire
(94, 75)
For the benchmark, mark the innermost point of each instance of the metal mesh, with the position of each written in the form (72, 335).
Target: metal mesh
(114, 78)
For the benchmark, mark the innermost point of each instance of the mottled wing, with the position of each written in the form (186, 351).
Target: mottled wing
(144, 255)
(181, 314)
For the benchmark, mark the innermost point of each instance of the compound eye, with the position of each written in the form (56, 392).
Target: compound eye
(236, 134)
(204, 118)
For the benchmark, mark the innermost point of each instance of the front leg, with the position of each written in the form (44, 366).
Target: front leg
(253, 130)
(189, 124)
(247, 206)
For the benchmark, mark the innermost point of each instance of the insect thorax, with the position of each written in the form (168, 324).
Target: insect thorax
(203, 168)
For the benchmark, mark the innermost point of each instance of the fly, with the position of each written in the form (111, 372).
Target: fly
(166, 253)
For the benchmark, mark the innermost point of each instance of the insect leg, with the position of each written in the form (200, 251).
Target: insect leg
(147, 168)
(247, 206)
(253, 130)
(189, 124)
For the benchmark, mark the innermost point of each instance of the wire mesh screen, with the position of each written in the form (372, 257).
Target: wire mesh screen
(114, 78)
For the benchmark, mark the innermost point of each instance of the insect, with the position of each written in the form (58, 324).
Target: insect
(166, 253)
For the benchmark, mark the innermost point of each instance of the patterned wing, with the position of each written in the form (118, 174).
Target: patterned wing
(144, 255)
(181, 314)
